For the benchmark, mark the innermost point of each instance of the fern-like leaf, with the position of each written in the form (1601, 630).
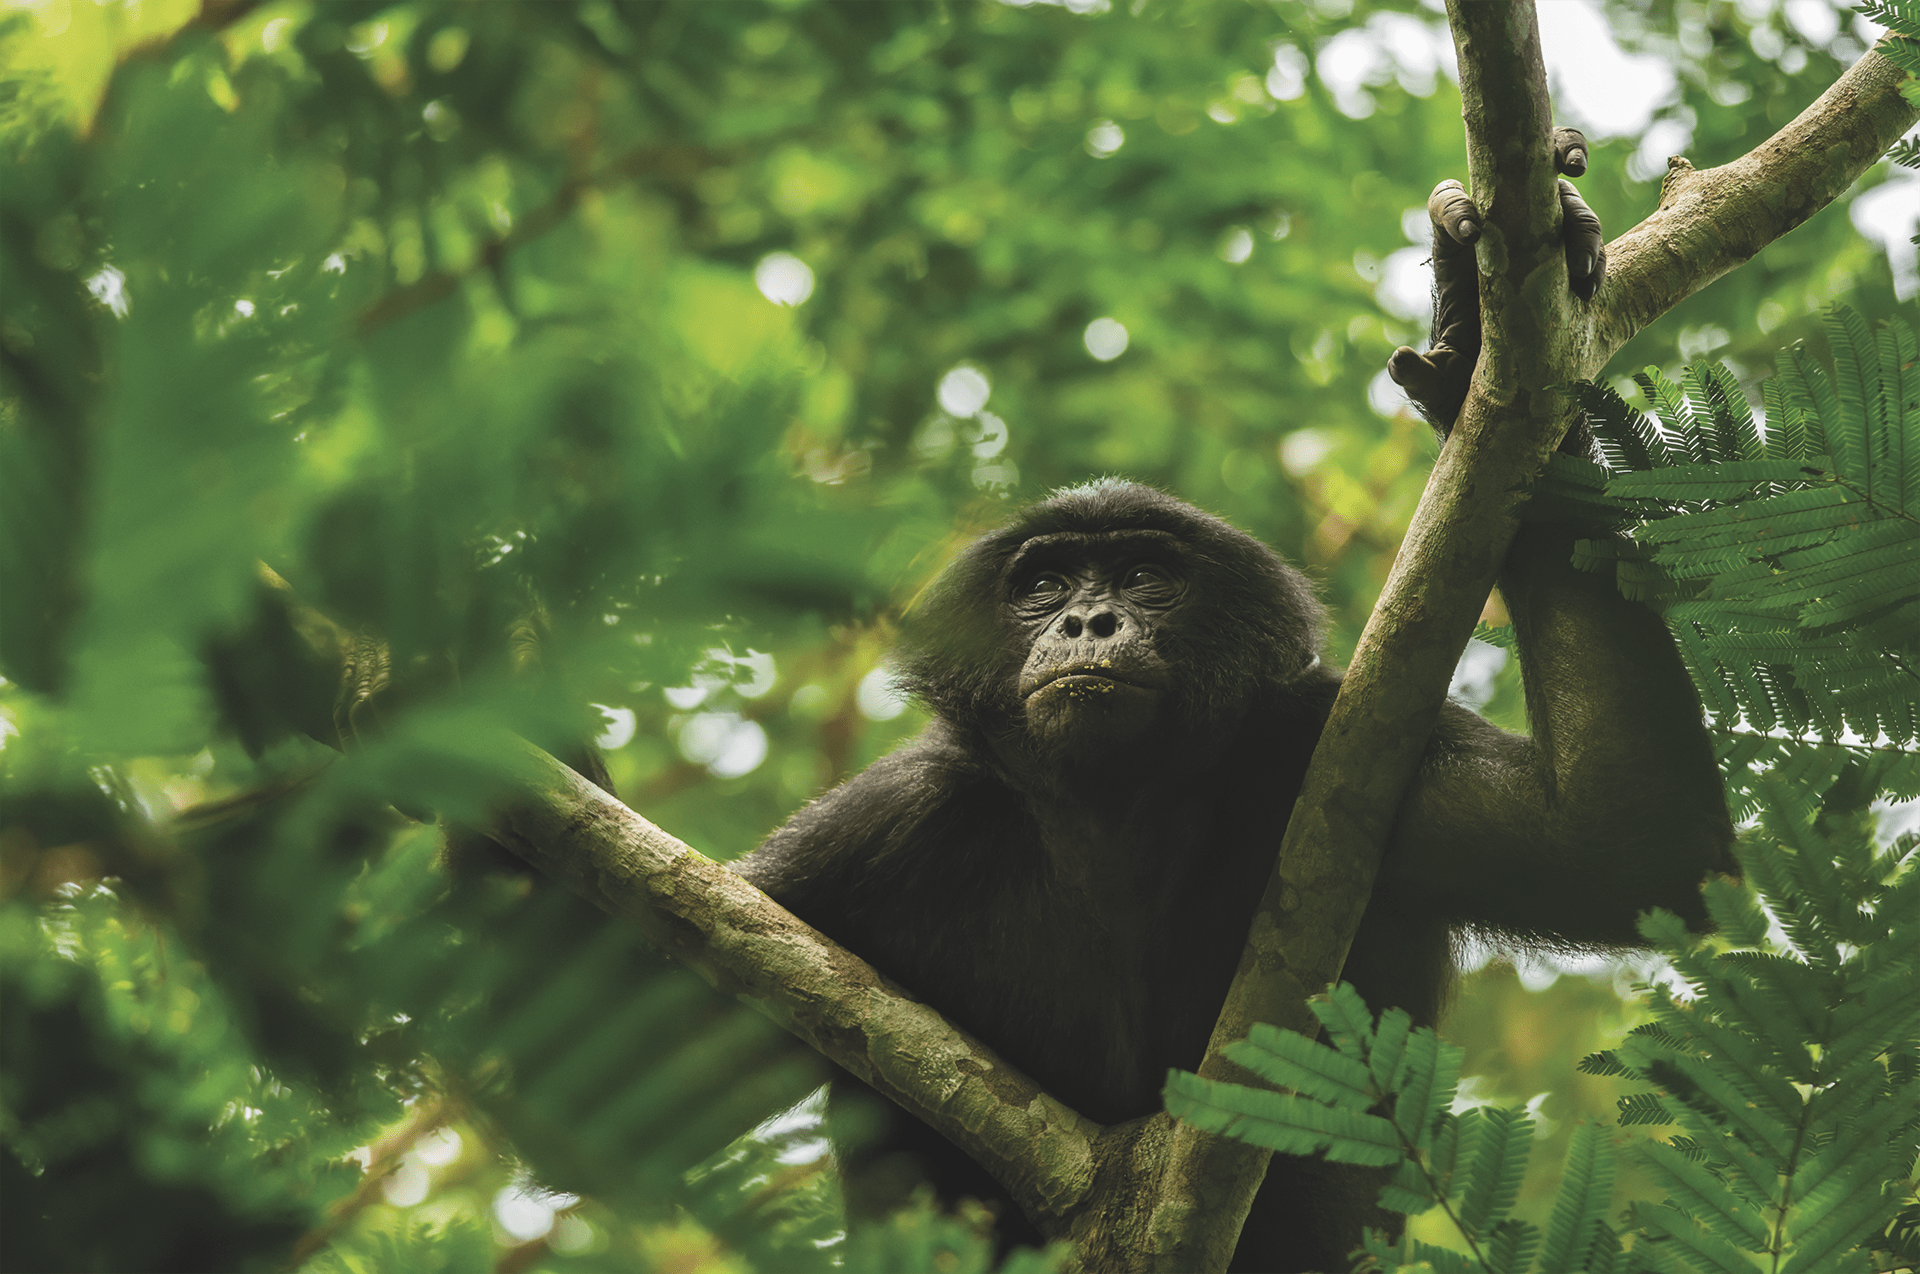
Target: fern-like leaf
(1501, 1142)
(1696, 1190)
(1282, 1121)
(1291, 1060)
(1432, 1076)
(1705, 1250)
(1586, 1193)
(1790, 563)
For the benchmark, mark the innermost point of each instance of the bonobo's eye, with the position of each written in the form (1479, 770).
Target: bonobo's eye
(1152, 585)
(1046, 587)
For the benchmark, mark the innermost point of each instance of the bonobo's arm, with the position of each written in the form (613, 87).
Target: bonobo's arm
(1614, 804)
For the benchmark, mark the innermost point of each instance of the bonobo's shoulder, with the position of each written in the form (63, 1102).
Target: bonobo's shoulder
(1308, 696)
(1319, 684)
(940, 746)
(868, 816)
(939, 757)
(1291, 714)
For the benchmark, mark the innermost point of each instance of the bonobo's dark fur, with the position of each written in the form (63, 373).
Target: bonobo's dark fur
(1126, 697)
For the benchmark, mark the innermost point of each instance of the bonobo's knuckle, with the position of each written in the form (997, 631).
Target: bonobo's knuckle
(1404, 366)
(1452, 209)
(1570, 152)
(1585, 288)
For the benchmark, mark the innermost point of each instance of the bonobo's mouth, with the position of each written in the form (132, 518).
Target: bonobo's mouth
(1092, 675)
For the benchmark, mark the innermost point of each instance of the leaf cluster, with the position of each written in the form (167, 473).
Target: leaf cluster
(1785, 557)
(1790, 1063)
(1381, 1093)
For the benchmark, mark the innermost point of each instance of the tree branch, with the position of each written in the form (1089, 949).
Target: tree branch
(1391, 697)
(748, 946)
(1711, 220)
(1538, 339)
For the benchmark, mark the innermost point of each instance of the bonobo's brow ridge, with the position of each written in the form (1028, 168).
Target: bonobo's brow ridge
(1093, 542)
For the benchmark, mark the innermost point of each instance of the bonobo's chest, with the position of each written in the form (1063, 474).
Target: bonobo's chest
(1091, 958)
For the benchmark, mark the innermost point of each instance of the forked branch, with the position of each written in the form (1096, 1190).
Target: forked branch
(1538, 340)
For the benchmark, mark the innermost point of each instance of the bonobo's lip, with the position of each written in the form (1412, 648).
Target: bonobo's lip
(1100, 670)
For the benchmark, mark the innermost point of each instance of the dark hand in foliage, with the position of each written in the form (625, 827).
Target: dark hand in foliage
(1126, 693)
(1438, 380)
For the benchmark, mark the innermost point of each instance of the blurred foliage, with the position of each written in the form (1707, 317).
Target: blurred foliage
(461, 319)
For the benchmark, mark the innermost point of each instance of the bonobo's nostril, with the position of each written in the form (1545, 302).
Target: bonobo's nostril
(1105, 624)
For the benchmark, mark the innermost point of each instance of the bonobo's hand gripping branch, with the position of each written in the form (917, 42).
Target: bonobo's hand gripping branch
(1437, 381)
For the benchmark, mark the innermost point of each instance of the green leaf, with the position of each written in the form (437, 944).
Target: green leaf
(1731, 481)
(1409, 1191)
(1826, 506)
(1344, 1014)
(1511, 1247)
(1856, 380)
(1502, 1141)
(1291, 1060)
(1427, 1089)
(1834, 1243)
(1703, 1195)
(1281, 1121)
(1584, 1200)
(1704, 1249)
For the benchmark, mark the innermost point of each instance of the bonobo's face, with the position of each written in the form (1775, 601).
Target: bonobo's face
(1109, 634)
(1095, 685)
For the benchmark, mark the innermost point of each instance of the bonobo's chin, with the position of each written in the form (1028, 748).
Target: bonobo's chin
(1084, 721)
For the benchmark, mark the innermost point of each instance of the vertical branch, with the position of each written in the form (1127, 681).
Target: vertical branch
(1390, 700)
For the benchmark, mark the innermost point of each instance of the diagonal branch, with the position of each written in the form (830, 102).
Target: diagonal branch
(1711, 220)
(748, 946)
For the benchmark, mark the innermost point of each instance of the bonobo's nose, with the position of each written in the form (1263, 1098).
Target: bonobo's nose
(1101, 623)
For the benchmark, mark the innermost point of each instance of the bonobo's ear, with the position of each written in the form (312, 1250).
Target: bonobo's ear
(1438, 380)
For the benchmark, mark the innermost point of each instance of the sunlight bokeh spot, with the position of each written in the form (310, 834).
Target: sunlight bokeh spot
(1105, 339)
(783, 278)
(964, 391)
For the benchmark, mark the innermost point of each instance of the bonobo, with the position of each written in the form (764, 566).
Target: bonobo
(1126, 692)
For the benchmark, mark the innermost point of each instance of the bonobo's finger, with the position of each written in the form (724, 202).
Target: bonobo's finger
(1436, 381)
(1586, 246)
(1570, 152)
(1414, 373)
(1451, 208)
